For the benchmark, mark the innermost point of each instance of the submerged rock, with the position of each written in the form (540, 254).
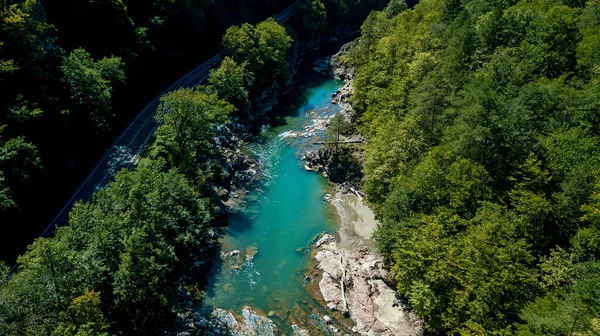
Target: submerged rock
(251, 252)
(249, 324)
(230, 254)
(222, 319)
(299, 332)
(255, 324)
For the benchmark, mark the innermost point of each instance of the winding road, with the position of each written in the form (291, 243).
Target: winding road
(127, 147)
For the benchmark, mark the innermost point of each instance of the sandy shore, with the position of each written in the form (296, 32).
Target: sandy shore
(358, 222)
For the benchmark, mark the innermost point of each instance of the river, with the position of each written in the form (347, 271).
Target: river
(281, 219)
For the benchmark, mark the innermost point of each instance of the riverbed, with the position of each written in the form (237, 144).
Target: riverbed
(266, 246)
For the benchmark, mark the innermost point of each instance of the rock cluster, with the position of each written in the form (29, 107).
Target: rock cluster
(222, 322)
(238, 172)
(341, 167)
(372, 304)
(338, 167)
(235, 261)
(250, 323)
(345, 73)
(332, 66)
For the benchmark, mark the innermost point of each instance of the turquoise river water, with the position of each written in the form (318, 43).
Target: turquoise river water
(281, 219)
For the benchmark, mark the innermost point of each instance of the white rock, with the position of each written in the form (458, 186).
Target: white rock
(326, 238)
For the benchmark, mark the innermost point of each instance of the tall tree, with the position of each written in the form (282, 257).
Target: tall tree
(263, 47)
(231, 82)
(90, 84)
(187, 119)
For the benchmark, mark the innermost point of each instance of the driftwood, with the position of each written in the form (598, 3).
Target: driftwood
(345, 311)
(339, 142)
(356, 192)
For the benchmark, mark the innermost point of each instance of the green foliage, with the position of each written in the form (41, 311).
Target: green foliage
(572, 309)
(338, 127)
(264, 48)
(84, 317)
(141, 279)
(350, 11)
(310, 19)
(231, 82)
(118, 261)
(21, 35)
(90, 84)
(482, 160)
(18, 159)
(394, 7)
(187, 119)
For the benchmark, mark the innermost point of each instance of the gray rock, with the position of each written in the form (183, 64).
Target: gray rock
(230, 254)
(249, 324)
(299, 332)
(373, 305)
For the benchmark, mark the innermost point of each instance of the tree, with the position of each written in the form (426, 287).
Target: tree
(20, 51)
(117, 263)
(18, 160)
(394, 7)
(263, 47)
(90, 84)
(310, 19)
(571, 310)
(481, 120)
(231, 82)
(49, 276)
(187, 119)
(587, 59)
(337, 127)
(83, 317)
(141, 282)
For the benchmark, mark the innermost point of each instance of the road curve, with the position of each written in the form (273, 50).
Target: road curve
(130, 143)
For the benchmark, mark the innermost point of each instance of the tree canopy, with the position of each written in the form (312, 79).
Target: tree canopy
(482, 160)
(264, 48)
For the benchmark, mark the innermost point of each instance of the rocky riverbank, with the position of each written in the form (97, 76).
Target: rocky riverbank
(352, 273)
(342, 166)
(352, 278)
(353, 282)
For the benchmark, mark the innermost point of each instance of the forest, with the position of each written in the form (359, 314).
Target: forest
(74, 73)
(482, 160)
(126, 258)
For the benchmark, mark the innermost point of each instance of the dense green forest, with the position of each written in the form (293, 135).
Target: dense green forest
(482, 160)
